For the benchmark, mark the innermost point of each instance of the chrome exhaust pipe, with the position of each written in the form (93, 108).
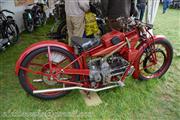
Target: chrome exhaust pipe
(75, 88)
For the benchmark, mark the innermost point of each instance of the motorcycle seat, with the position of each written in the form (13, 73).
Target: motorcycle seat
(85, 43)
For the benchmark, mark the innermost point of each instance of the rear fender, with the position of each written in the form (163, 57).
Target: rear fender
(141, 49)
(40, 45)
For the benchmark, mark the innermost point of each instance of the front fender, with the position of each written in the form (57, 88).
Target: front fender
(40, 45)
(141, 47)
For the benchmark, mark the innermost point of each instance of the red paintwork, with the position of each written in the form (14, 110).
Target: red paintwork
(141, 48)
(131, 54)
(106, 39)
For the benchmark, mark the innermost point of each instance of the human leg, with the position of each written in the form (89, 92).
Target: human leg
(79, 26)
(69, 28)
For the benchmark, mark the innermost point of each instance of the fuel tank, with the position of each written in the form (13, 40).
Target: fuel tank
(112, 38)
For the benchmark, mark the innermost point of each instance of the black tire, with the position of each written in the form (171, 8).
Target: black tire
(167, 55)
(44, 18)
(102, 29)
(12, 30)
(29, 57)
(38, 19)
(28, 22)
(62, 30)
(29, 25)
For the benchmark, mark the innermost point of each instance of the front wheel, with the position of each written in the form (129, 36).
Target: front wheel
(41, 62)
(12, 32)
(155, 60)
(29, 25)
(62, 30)
(43, 18)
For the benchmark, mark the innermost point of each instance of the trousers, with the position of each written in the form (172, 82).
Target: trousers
(75, 26)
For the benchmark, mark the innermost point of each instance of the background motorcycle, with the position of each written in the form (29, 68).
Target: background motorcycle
(34, 17)
(9, 32)
(60, 17)
(50, 69)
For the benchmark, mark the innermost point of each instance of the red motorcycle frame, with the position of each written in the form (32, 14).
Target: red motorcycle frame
(131, 47)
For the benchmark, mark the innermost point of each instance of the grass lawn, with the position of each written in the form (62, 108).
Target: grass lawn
(157, 99)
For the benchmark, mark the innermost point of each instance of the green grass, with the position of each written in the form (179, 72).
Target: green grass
(157, 99)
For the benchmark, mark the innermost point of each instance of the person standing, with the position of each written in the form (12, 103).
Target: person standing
(75, 17)
(141, 5)
(113, 9)
(166, 4)
(116, 8)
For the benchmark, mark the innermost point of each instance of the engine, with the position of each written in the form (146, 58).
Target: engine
(102, 71)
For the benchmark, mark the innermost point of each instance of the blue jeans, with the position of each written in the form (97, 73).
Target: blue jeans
(165, 5)
(141, 8)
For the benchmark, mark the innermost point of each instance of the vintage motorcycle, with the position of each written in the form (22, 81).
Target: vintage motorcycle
(51, 69)
(34, 17)
(9, 31)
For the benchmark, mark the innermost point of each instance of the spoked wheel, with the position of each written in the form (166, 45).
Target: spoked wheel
(38, 68)
(155, 60)
(12, 32)
(29, 25)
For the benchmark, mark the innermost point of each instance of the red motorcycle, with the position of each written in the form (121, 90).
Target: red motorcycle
(51, 69)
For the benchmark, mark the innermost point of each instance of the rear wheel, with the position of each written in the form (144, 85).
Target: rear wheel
(37, 65)
(155, 60)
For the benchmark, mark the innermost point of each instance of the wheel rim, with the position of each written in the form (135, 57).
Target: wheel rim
(153, 68)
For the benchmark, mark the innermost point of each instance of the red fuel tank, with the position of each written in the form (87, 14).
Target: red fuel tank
(111, 38)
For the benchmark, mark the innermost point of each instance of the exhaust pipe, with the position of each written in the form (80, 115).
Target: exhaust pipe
(75, 88)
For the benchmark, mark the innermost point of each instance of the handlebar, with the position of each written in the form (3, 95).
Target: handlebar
(133, 22)
(7, 11)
